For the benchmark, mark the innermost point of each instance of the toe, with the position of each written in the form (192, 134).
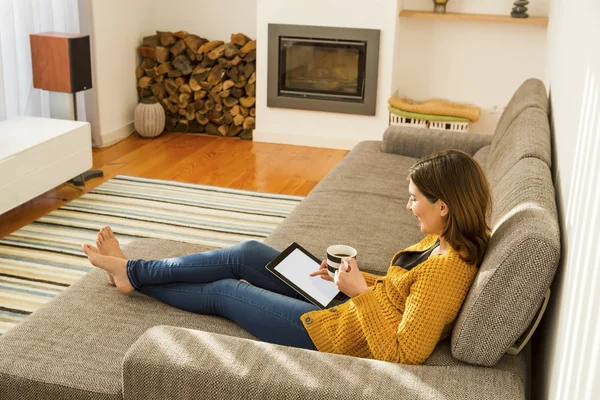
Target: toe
(110, 232)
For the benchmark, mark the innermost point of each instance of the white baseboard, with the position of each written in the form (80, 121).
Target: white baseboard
(304, 140)
(113, 137)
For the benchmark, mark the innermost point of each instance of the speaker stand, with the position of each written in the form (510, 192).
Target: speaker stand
(81, 179)
(87, 175)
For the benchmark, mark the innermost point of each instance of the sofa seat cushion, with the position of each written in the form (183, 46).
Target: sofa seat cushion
(73, 347)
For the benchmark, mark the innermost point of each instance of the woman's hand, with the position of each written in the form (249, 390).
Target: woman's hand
(323, 272)
(348, 278)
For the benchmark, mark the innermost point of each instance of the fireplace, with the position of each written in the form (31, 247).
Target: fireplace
(322, 68)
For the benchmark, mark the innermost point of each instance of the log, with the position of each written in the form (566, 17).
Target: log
(158, 91)
(235, 110)
(193, 42)
(252, 78)
(215, 97)
(207, 62)
(249, 69)
(227, 118)
(151, 73)
(178, 48)
(224, 93)
(247, 101)
(182, 126)
(139, 72)
(191, 54)
(248, 47)
(190, 112)
(253, 112)
(218, 107)
(241, 82)
(181, 34)
(237, 92)
(230, 51)
(174, 73)
(145, 82)
(148, 63)
(200, 95)
(223, 130)
(217, 52)
(206, 85)
(233, 73)
(151, 41)
(218, 87)
(209, 46)
(181, 111)
(246, 135)
(199, 104)
(164, 68)
(215, 75)
(212, 129)
(243, 111)
(228, 84)
(185, 88)
(248, 123)
(251, 89)
(234, 130)
(166, 38)
(162, 54)
(146, 51)
(183, 63)
(209, 104)
(202, 120)
(159, 79)
(225, 63)
(236, 60)
(238, 119)
(194, 85)
(250, 56)
(240, 39)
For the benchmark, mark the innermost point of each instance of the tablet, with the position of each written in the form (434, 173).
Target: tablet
(294, 265)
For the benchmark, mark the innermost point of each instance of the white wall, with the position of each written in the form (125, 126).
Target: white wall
(209, 19)
(567, 346)
(473, 62)
(117, 29)
(314, 128)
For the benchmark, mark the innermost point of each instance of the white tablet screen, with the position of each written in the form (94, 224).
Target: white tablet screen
(297, 267)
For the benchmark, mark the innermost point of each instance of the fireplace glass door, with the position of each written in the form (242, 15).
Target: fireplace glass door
(322, 69)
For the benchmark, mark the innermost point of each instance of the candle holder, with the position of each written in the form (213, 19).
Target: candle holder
(439, 6)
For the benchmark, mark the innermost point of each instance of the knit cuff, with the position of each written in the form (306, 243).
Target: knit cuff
(366, 299)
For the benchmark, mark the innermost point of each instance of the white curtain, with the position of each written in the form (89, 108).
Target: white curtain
(19, 19)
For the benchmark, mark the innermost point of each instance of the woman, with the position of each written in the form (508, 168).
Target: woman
(399, 317)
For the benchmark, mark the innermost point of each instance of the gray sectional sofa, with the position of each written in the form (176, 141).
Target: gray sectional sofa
(79, 347)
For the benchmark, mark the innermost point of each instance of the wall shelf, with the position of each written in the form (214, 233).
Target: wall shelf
(543, 21)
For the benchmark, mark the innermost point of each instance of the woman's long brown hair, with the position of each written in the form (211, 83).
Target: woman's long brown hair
(455, 178)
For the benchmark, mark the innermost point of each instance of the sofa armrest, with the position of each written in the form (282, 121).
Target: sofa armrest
(419, 142)
(176, 363)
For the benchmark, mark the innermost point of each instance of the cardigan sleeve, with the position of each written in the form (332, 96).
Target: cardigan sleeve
(369, 278)
(434, 301)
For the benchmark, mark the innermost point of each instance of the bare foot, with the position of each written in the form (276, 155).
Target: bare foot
(115, 266)
(108, 245)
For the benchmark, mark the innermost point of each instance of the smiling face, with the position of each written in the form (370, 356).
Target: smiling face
(430, 216)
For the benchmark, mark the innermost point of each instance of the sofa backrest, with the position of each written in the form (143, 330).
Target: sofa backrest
(524, 248)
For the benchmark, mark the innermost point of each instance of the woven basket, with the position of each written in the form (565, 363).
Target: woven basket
(149, 118)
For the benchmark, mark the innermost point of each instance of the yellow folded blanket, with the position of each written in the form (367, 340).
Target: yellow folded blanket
(436, 107)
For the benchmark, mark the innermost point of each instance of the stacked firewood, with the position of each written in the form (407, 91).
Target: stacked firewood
(204, 86)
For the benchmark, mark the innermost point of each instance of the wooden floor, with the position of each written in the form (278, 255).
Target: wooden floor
(225, 162)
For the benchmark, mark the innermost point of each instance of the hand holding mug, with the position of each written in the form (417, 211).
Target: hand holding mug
(348, 278)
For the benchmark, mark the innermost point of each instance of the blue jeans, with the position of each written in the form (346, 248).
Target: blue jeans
(209, 283)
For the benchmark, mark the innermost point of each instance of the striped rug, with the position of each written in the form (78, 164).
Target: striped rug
(40, 260)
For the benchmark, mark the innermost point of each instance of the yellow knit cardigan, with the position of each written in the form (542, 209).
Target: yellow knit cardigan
(402, 316)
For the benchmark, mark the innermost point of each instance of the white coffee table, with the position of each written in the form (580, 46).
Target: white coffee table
(37, 154)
